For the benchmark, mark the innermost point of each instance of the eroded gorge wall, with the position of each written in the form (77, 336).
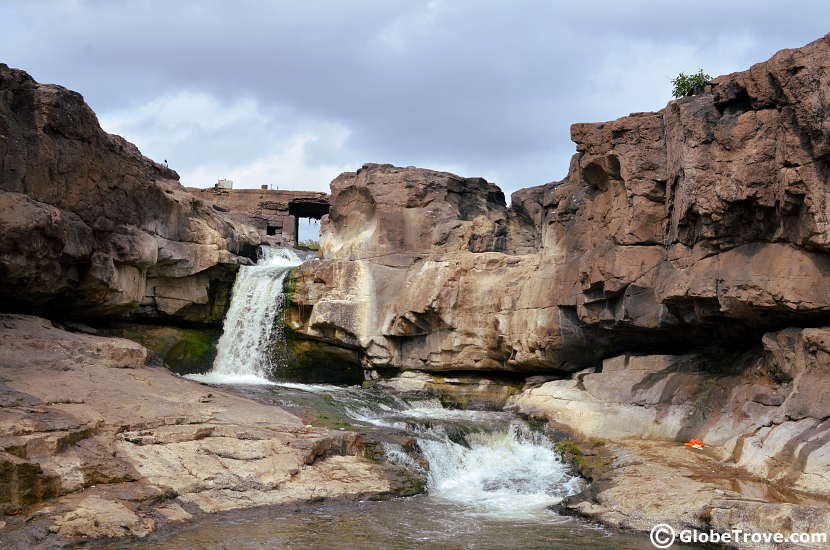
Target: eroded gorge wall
(680, 271)
(91, 230)
(701, 223)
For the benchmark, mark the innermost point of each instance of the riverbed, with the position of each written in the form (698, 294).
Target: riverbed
(492, 482)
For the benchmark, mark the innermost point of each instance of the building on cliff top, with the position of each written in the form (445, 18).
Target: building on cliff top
(275, 213)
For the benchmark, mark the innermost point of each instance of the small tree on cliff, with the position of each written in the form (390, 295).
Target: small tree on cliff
(689, 84)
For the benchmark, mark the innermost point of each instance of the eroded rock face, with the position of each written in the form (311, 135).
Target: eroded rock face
(764, 411)
(89, 227)
(679, 273)
(108, 447)
(650, 483)
(385, 210)
(699, 224)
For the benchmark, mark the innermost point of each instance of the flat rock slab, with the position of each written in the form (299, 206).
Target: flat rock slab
(649, 483)
(93, 444)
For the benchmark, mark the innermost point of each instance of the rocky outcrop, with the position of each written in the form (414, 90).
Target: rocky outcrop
(675, 282)
(764, 411)
(95, 444)
(700, 224)
(90, 228)
(410, 261)
(647, 483)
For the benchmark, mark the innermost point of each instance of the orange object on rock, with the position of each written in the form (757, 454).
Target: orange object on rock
(694, 444)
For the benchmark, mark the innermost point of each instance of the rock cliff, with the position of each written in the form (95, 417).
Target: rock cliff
(698, 225)
(674, 285)
(89, 228)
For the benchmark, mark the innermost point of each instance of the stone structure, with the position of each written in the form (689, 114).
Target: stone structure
(274, 213)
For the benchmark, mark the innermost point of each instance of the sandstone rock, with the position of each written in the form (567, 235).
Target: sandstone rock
(182, 350)
(764, 411)
(670, 261)
(89, 227)
(696, 224)
(465, 391)
(652, 483)
(95, 444)
(384, 210)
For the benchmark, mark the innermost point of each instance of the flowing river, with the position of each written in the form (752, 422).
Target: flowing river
(492, 480)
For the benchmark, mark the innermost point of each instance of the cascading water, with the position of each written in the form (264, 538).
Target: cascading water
(250, 337)
(510, 473)
(491, 478)
(489, 463)
(491, 481)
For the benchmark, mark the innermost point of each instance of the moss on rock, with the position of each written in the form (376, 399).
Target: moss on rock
(589, 459)
(316, 362)
(182, 350)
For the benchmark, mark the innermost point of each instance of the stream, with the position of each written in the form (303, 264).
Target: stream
(492, 480)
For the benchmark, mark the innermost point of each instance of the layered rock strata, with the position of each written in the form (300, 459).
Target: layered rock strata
(701, 223)
(94, 444)
(90, 228)
(676, 283)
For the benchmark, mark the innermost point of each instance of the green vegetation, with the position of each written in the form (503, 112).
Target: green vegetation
(686, 84)
(310, 244)
(194, 352)
(590, 462)
(289, 286)
(569, 450)
(183, 350)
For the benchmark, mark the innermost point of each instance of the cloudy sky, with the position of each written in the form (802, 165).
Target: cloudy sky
(293, 93)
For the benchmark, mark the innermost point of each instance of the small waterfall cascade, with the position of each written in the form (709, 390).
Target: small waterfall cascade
(252, 331)
(511, 472)
(488, 463)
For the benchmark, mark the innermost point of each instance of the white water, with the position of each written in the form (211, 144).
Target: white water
(484, 463)
(488, 463)
(508, 473)
(245, 352)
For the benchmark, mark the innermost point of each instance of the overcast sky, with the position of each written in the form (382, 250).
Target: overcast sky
(293, 93)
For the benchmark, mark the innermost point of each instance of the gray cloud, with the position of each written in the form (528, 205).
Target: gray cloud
(292, 93)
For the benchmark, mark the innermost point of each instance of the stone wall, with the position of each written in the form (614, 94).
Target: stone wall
(274, 213)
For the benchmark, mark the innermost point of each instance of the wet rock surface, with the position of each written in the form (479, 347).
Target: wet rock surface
(646, 483)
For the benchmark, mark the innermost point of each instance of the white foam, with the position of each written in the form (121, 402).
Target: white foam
(502, 469)
(220, 378)
(251, 334)
(512, 474)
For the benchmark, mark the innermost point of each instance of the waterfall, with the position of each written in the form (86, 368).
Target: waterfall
(252, 332)
(489, 463)
(512, 472)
